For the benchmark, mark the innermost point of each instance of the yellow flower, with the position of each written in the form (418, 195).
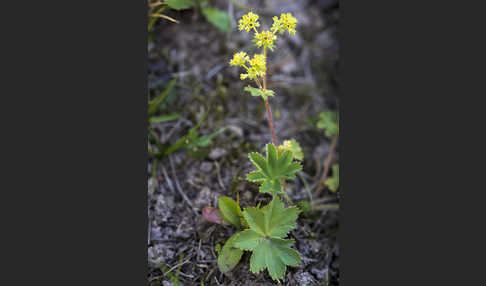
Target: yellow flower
(239, 59)
(288, 22)
(248, 22)
(258, 62)
(277, 26)
(287, 145)
(257, 67)
(265, 38)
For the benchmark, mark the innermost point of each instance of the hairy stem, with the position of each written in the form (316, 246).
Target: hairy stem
(270, 124)
(267, 106)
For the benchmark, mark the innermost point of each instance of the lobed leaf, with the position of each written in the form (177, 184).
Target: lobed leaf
(272, 158)
(259, 92)
(256, 176)
(285, 159)
(288, 255)
(329, 122)
(230, 255)
(268, 226)
(280, 220)
(248, 240)
(255, 219)
(260, 163)
(257, 259)
(272, 169)
(275, 266)
(290, 170)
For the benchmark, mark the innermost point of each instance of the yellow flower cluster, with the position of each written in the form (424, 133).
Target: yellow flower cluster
(248, 22)
(265, 38)
(287, 145)
(239, 59)
(258, 67)
(286, 22)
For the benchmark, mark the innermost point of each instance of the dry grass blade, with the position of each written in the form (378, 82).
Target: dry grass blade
(178, 187)
(155, 4)
(165, 17)
(321, 184)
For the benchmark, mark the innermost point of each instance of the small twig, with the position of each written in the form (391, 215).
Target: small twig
(178, 186)
(167, 136)
(149, 231)
(320, 185)
(155, 4)
(220, 181)
(165, 17)
(324, 200)
(327, 207)
(186, 275)
(167, 179)
(306, 185)
(178, 264)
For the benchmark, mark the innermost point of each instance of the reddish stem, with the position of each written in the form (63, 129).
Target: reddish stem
(270, 122)
(267, 106)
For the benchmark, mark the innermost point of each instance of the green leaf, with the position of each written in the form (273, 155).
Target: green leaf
(290, 170)
(255, 176)
(272, 158)
(285, 158)
(272, 169)
(329, 122)
(205, 140)
(280, 220)
(260, 163)
(248, 239)
(230, 255)
(179, 4)
(218, 18)
(288, 255)
(257, 260)
(259, 92)
(271, 186)
(333, 182)
(276, 267)
(230, 210)
(163, 118)
(255, 219)
(268, 226)
(156, 102)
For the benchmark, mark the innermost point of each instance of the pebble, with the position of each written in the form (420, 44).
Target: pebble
(304, 278)
(206, 167)
(204, 198)
(217, 153)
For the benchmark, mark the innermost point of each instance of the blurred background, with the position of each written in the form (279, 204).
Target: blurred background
(202, 125)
